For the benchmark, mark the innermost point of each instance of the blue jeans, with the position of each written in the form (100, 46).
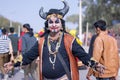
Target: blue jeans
(111, 78)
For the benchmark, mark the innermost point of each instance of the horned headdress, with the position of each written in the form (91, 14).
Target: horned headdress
(59, 12)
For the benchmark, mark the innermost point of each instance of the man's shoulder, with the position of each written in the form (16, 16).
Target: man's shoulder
(67, 35)
(68, 38)
(12, 37)
(113, 39)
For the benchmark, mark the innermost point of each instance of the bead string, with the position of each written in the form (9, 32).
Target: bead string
(55, 52)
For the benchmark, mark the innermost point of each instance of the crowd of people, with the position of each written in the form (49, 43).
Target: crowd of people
(12, 47)
(53, 55)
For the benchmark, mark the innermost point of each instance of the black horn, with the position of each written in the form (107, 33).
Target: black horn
(42, 14)
(65, 9)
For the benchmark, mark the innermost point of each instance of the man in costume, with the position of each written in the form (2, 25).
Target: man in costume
(57, 50)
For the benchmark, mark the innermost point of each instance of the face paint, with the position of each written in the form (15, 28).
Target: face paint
(54, 24)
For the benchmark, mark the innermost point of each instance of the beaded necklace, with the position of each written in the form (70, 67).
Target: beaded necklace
(54, 52)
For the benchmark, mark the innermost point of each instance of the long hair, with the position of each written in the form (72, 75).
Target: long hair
(31, 32)
(27, 26)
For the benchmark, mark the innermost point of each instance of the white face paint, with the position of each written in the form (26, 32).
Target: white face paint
(54, 24)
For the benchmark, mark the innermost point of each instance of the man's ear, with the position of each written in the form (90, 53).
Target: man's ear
(98, 29)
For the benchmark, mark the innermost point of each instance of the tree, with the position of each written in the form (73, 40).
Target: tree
(5, 23)
(101, 9)
(94, 10)
(73, 19)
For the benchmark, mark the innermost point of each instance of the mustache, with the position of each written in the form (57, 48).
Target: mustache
(54, 27)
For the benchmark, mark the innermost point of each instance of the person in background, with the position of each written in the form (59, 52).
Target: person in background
(90, 51)
(20, 42)
(14, 41)
(28, 41)
(57, 50)
(105, 51)
(6, 51)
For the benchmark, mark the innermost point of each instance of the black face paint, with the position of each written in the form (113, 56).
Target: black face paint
(50, 21)
(57, 21)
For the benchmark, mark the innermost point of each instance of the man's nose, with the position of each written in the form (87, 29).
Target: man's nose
(54, 24)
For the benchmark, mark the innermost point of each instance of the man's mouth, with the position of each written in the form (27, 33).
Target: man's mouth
(53, 27)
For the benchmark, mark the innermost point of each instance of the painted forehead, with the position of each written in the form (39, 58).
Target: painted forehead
(54, 15)
(53, 18)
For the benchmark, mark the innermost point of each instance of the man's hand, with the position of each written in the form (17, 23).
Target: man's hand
(100, 68)
(12, 58)
(8, 66)
(97, 66)
(88, 77)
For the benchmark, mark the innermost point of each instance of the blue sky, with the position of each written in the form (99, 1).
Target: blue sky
(27, 11)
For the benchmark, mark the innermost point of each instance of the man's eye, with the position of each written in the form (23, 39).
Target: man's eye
(50, 22)
(57, 21)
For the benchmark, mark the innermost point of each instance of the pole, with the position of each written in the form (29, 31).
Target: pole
(80, 19)
(10, 23)
(86, 41)
(18, 30)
